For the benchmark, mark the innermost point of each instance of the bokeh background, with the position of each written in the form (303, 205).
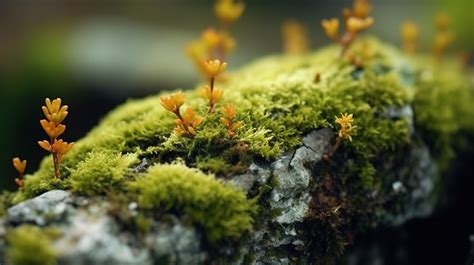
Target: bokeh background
(97, 54)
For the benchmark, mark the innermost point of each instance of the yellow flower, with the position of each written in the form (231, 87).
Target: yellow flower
(345, 121)
(52, 129)
(215, 67)
(361, 8)
(409, 31)
(295, 37)
(331, 27)
(61, 148)
(173, 102)
(228, 11)
(355, 24)
(213, 95)
(19, 165)
(228, 120)
(53, 111)
(211, 38)
(188, 123)
(442, 22)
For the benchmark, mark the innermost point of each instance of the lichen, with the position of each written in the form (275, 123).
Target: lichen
(29, 245)
(222, 211)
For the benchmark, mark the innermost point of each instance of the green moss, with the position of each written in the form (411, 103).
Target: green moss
(101, 171)
(222, 211)
(29, 245)
(278, 102)
(6, 200)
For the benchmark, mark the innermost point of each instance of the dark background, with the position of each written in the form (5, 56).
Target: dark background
(96, 54)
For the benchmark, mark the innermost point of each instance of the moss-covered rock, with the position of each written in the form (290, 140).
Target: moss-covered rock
(411, 113)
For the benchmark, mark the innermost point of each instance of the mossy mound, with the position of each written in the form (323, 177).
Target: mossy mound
(278, 100)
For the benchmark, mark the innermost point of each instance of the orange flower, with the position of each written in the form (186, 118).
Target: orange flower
(188, 123)
(361, 8)
(52, 129)
(53, 110)
(228, 11)
(61, 148)
(331, 27)
(173, 102)
(45, 145)
(19, 165)
(211, 38)
(345, 121)
(212, 95)
(215, 67)
(355, 24)
(228, 120)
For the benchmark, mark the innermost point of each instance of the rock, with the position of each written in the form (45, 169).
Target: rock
(42, 210)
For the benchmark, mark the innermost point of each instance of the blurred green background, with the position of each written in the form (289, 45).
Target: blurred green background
(96, 54)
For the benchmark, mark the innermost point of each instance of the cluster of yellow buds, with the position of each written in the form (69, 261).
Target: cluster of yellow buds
(443, 36)
(20, 167)
(228, 120)
(345, 121)
(213, 68)
(55, 115)
(216, 44)
(356, 20)
(187, 123)
(409, 32)
(295, 37)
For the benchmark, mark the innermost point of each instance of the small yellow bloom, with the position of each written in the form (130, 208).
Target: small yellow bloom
(361, 8)
(213, 96)
(19, 165)
(211, 38)
(53, 111)
(442, 22)
(215, 67)
(345, 121)
(61, 148)
(331, 27)
(188, 123)
(409, 31)
(228, 120)
(228, 11)
(173, 102)
(295, 37)
(355, 24)
(52, 129)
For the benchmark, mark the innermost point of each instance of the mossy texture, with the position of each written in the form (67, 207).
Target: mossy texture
(223, 211)
(29, 245)
(100, 172)
(278, 100)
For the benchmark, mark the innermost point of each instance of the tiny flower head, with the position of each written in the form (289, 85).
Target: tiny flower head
(19, 165)
(52, 129)
(211, 38)
(361, 8)
(442, 22)
(53, 110)
(173, 102)
(228, 11)
(409, 31)
(331, 27)
(229, 111)
(45, 145)
(61, 148)
(213, 95)
(345, 119)
(215, 67)
(20, 182)
(355, 24)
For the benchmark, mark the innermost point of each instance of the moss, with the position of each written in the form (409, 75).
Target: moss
(222, 211)
(29, 245)
(101, 171)
(6, 200)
